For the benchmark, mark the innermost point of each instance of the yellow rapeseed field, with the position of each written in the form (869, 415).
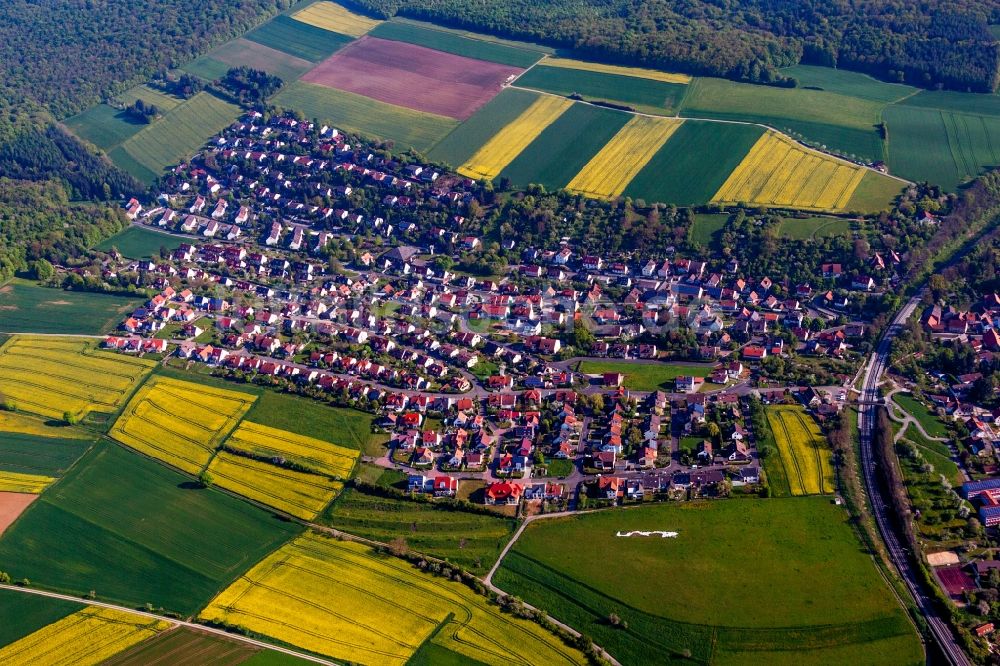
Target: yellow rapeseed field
(84, 638)
(52, 376)
(27, 425)
(316, 454)
(609, 172)
(780, 172)
(805, 453)
(353, 604)
(638, 72)
(15, 482)
(331, 16)
(296, 493)
(179, 422)
(508, 143)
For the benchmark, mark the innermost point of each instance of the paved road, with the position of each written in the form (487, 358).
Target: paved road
(874, 370)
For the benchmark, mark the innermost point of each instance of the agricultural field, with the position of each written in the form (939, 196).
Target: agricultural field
(346, 428)
(780, 172)
(608, 173)
(642, 93)
(179, 422)
(86, 638)
(18, 423)
(184, 647)
(853, 84)
(26, 307)
(24, 614)
(810, 592)
(494, 156)
(470, 540)
(469, 137)
(335, 18)
(16, 482)
(467, 46)
(412, 76)
(178, 134)
(104, 126)
(565, 146)
(135, 531)
(149, 96)
(54, 376)
(636, 72)
(804, 455)
(12, 505)
(357, 113)
(317, 455)
(244, 52)
(140, 243)
(691, 167)
(646, 376)
(353, 604)
(298, 39)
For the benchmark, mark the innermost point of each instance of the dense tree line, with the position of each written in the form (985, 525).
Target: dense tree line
(250, 86)
(939, 43)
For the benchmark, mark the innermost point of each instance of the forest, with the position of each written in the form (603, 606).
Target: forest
(932, 44)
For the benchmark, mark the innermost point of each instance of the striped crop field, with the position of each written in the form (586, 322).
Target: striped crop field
(21, 424)
(14, 482)
(343, 600)
(336, 18)
(638, 72)
(307, 452)
(805, 454)
(779, 172)
(508, 143)
(611, 170)
(86, 637)
(53, 376)
(179, 422)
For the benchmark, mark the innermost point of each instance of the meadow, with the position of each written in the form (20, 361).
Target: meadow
(150, 96)
(469, 137)
(139, 243)
(27, 308)
(24, 614)
(814, 227)
(344, 427)
(134, 531)
(354, 604)
(54, 376)
(610, 171)
(470, 540)
(336, 18)
(244, 52)
(804, 453)
(646, 376)
(849, 83)
(931, 423)
(104, 126)
(644, 94)
(706, 228)
(449, 42)
(565, 146)
(178, 422)
(184, 647)
(180, 132)
(357, 113)
(298, 39)
(810, 590)
(86, 638)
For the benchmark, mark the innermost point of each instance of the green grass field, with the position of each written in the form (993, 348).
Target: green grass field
(449, 42)
(707, 227)
(456, 148)
(176, 136)
(298, 39)
(139, 243)
(958, 102)
(564, 147)
(356, 113)
(930, 422)
(853, 84)
(244, 52)
(208, 68)
(28, 308)
(471, 540)
(104, 126)
(24, 614)
(135, 531)
(937, 454)
(814, 227)
(185, 647)
(694, 163)
(809, 590)
(342, 426)
(646, 376)
(875, 192)
(33, 454)
(644, 94)
(150, 95)
(842, 123)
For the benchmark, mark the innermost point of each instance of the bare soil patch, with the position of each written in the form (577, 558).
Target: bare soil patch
(13, 505)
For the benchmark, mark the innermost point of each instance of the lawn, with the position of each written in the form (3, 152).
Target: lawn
(809, 589)
(814, 227)
(463, 142)
(449, 42)
(707, 227)
(693, 164)
(185, 647)
(641, 93)
(931, 423)
(298, 39)
(650, 376)
(26, 613)
(367, 116)
(104, 126)
(44, 456)
(853, 84)
(139, 243)
(471, 540)
(177, 135)
(134, 532)
(28, 308)
(564, 147)
(560, 467)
